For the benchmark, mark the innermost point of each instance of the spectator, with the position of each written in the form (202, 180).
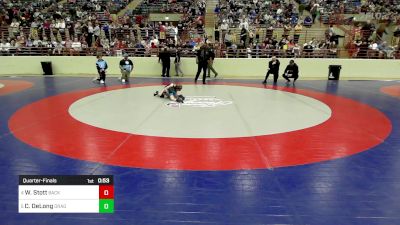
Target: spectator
(58, 48)
(5, 47)
(217, 9)
(243, 36)
(14, 27)
(228, 39)
(76, 47)
(308, 21)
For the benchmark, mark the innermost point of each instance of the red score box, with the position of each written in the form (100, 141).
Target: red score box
(106, 191)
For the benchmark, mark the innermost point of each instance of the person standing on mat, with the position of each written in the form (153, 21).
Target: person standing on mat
(126, 66)
(273, 67)
(291, 71)
(164, 58)
(211, 62)
(101, 66)
(202, 58)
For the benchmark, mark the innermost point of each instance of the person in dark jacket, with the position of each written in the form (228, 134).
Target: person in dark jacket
(291, 71)
(177, 62)
(273, 67)
(211, 62)
(202, 58)
(164, 58)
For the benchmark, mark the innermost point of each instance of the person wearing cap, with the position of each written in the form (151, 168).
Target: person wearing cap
(126, 66)
(291, 71)
(273, 67)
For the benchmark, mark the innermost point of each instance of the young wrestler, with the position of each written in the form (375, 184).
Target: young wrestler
(171, 92)
(101, 66)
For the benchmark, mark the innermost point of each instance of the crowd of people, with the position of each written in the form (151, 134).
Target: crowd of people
(78, 27)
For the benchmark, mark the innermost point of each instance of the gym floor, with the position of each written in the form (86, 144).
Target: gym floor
(236, 152)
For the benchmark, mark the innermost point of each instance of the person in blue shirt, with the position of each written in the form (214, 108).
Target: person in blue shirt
(101, 66)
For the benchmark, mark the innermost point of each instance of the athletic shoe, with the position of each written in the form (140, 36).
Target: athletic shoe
(102, 82)
(264, 82)
(123, 80)
(216, 75)
(156, 93)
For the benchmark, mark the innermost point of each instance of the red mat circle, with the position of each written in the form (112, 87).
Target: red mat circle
(353, 127)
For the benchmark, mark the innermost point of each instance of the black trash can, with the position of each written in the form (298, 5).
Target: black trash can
(47, 69)
(334, 72)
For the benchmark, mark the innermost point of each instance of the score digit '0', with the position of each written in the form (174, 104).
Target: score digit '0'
(103, 180)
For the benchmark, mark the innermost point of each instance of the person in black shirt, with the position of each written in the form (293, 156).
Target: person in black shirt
(164, 58)
(126, 66)
(273, 67)
(291, 71)
(202, 58)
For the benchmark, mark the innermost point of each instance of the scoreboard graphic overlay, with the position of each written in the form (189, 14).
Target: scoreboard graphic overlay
(66, 194)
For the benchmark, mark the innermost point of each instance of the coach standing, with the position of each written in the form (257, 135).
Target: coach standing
(164, 58)
(273, 67)
(126, 66)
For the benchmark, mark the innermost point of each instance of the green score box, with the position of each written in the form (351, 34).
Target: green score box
(106, 206)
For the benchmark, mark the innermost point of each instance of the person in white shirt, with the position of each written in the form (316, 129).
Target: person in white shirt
(155, 41)
(37, 43)
(89, 39)
(62, 26)
(5, 46)
(58, 47)
(98, 8)
(76, 46)
(373, 46)
(224, 29)
(96, 31)
(14, 26)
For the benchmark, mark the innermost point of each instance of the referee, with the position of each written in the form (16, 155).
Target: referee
(164, 58)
